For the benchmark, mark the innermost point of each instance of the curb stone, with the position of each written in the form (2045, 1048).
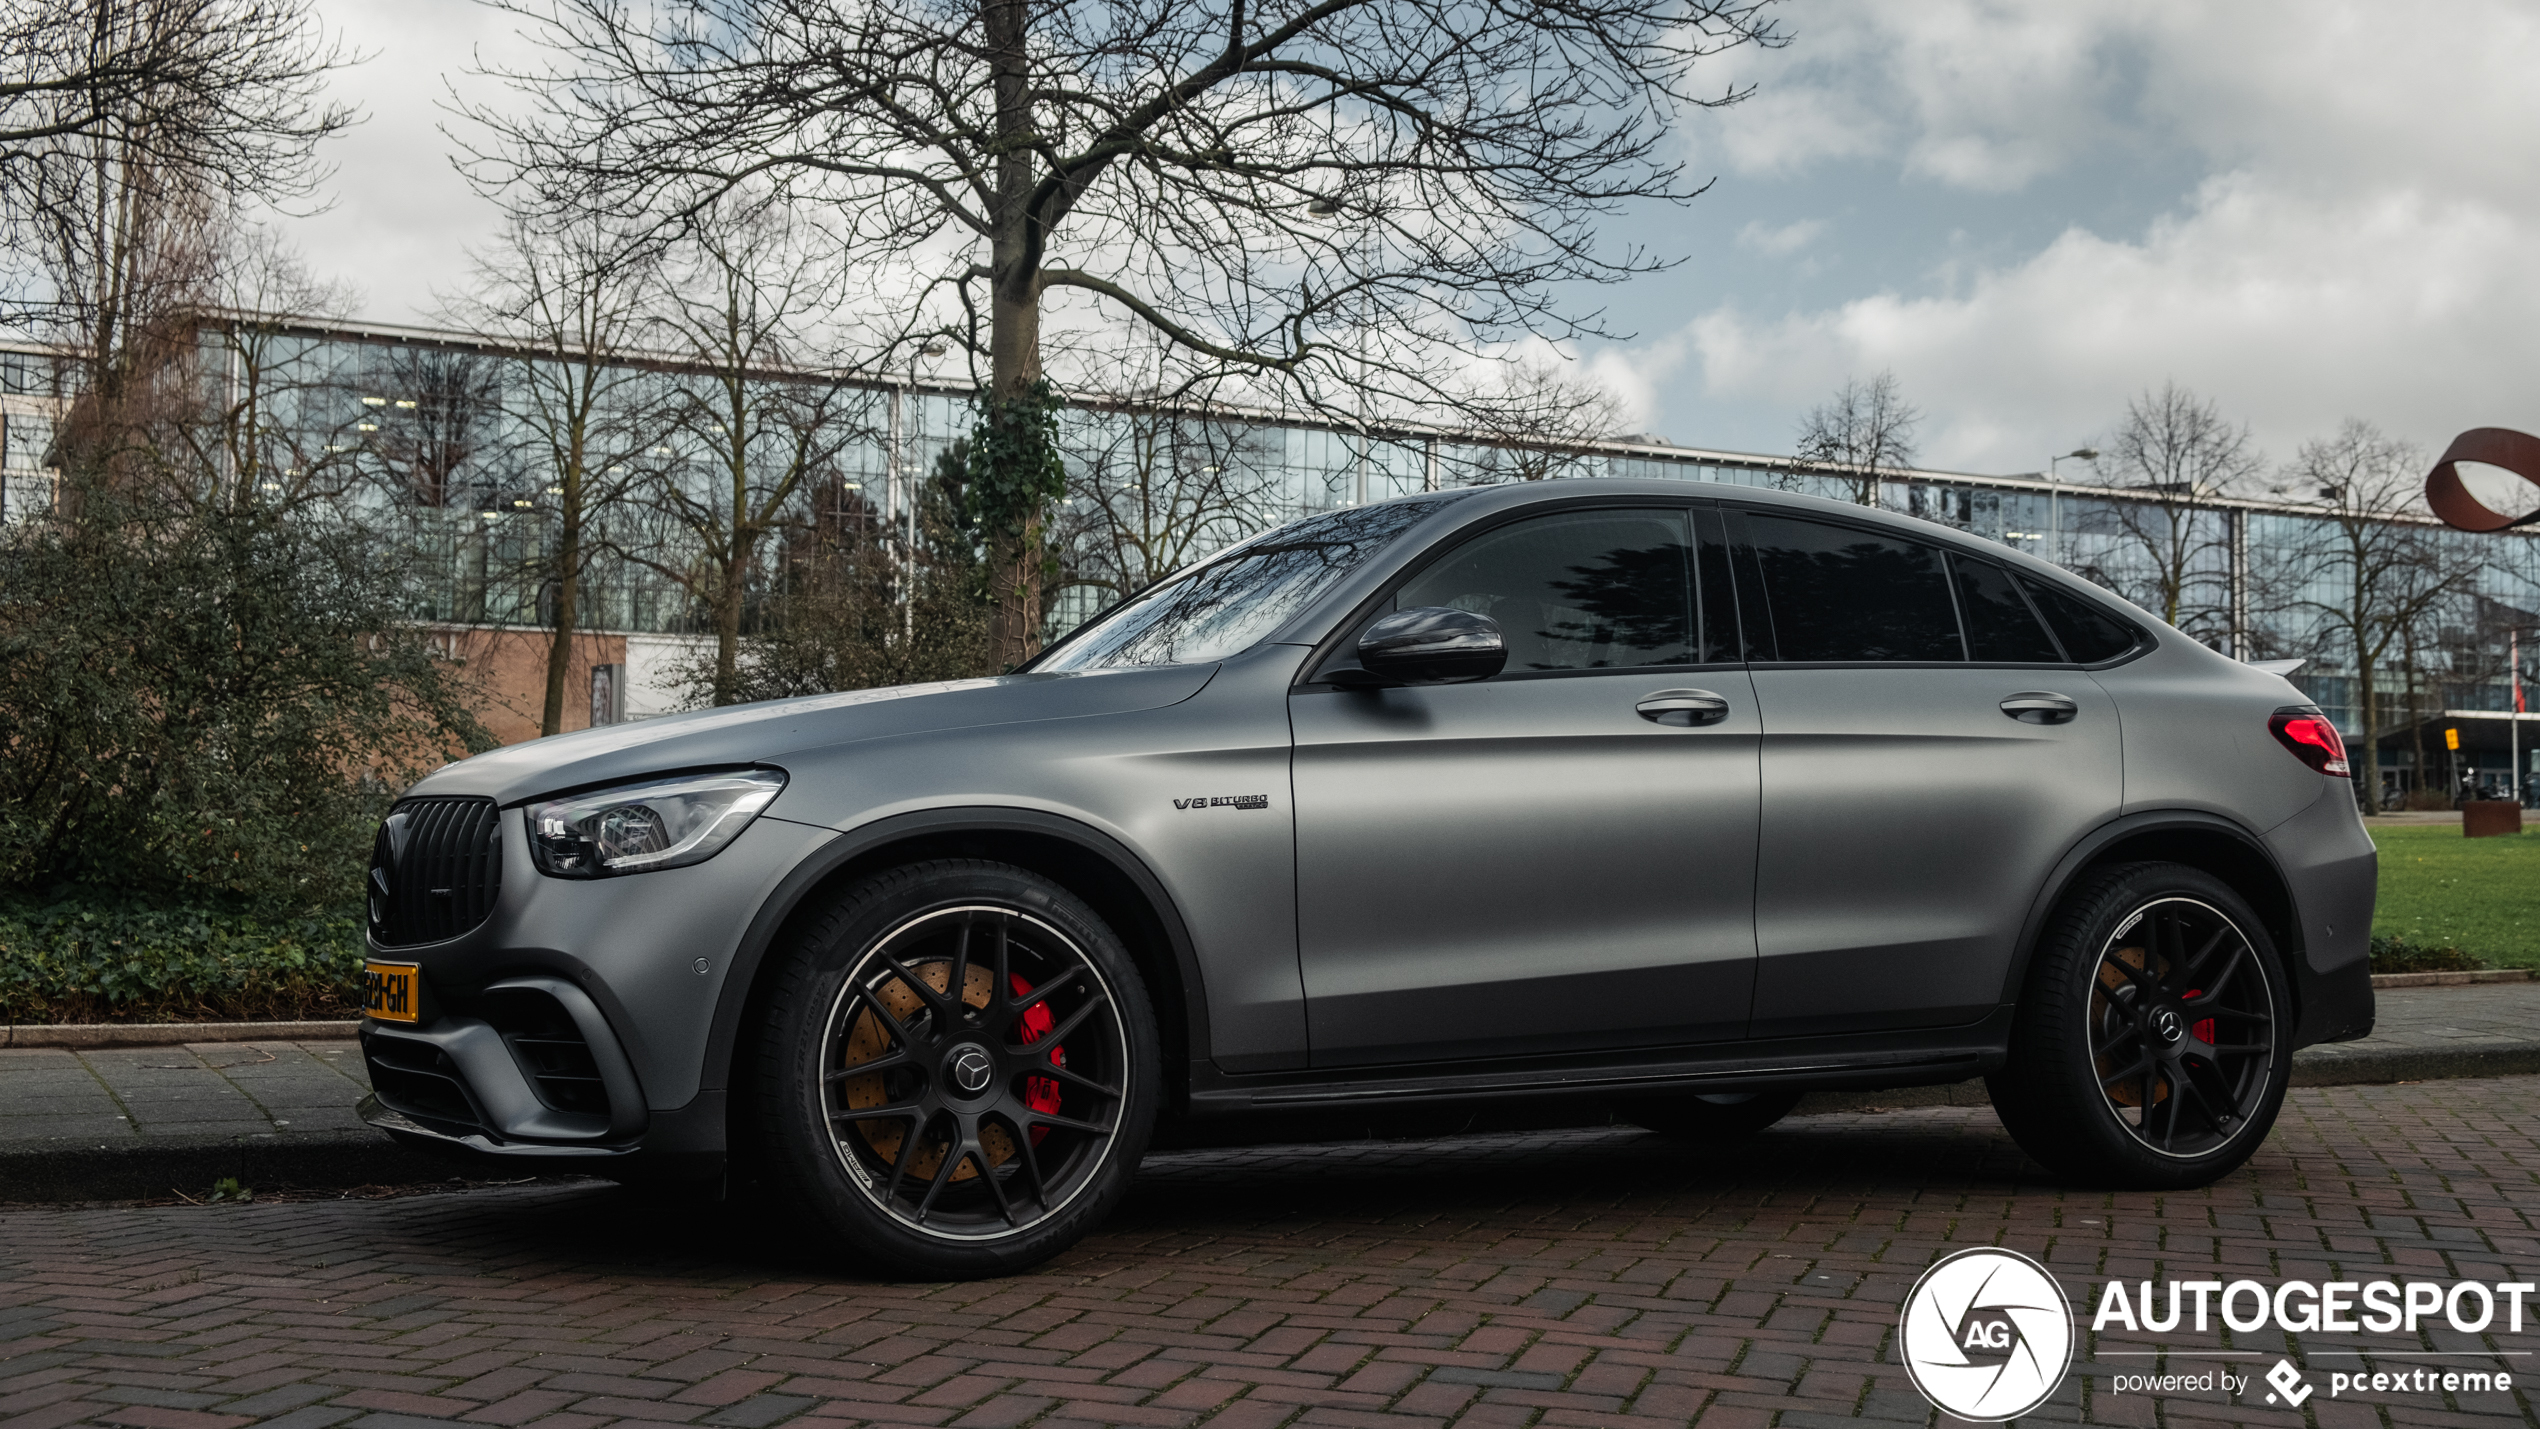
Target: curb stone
(171, 1034)
(78, 1170)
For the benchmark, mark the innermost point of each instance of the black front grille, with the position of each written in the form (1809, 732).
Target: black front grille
(550, 1048)
(435, 870)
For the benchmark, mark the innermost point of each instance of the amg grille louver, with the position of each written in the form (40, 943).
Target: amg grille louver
(434, 870)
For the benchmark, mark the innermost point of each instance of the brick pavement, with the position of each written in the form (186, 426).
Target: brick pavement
(1573, 1279)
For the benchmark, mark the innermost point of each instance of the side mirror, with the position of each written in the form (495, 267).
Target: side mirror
(1432, 645)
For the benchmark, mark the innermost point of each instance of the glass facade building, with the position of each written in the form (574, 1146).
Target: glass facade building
(440, 443)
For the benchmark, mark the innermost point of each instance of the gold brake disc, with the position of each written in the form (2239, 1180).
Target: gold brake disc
(869, 1039)
(2130, 1091)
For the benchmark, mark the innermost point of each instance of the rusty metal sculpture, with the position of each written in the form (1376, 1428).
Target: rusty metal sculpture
(2494, 446)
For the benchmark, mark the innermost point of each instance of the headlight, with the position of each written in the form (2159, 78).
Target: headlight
(636, 828)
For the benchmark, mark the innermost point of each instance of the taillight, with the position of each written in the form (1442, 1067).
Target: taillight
(2312, 739)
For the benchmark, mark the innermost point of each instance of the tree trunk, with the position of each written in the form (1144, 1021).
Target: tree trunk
(568, 587)
(2367, 758)
(1014, 332)
(2416, 717)
(727, 626)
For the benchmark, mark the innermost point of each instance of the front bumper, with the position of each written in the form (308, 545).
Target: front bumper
(569, 1029)
(538, 1083)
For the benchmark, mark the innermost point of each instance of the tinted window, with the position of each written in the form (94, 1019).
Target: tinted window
(1715, 594)
(2000, 625)
(1582, 591)
(1228, 605)
(1840, 593)
(2090, 634)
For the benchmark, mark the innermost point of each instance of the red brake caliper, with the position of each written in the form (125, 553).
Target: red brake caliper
(2202, 1031)
(1039, 1093)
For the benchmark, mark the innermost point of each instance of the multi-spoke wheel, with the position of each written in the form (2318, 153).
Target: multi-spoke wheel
(2153, 1043)
(959, 1070)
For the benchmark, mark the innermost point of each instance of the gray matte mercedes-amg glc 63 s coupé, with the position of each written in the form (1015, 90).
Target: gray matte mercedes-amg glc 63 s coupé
(1670, 799)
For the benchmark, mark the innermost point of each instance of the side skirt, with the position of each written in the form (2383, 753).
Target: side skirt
(1922, 1058)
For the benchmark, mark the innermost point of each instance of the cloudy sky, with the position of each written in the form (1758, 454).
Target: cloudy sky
(2028, 212)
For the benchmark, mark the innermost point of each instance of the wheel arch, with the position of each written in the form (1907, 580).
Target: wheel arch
(1083, 859)
(2203, 841)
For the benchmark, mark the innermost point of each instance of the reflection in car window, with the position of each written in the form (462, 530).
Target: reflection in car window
(1582, 591)
(1228, 605)
(2000, 626)
(2090, 635)
(1839, 593)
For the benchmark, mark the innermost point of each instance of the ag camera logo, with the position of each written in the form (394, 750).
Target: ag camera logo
(1987, 1334)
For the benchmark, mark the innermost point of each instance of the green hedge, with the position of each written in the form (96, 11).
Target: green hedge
(92, 958)
(2395, 954)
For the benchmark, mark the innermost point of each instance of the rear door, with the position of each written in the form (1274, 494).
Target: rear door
(1928, 755)
(1551, 860)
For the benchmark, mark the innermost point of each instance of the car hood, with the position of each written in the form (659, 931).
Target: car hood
(766, 732)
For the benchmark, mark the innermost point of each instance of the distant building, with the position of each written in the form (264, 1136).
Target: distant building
(431, 437)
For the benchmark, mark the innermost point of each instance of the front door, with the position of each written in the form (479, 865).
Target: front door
(1929, 755)
(1535, 863)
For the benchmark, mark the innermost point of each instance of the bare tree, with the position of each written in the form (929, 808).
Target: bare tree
(2369, 572)
(751, 435)
(129, 130)
(1318, 196)
(859, 608)
(1152, 490)
(441, 422)
(568, 292)
(1865, 431)
(2174, 457)
(1544, 412)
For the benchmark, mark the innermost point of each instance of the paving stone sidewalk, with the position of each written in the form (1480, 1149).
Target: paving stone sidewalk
(1569, 1279)
(78, 1118)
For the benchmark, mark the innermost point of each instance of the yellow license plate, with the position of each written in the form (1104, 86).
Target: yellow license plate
(388, 991)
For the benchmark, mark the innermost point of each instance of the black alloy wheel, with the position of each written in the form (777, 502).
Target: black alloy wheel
(964, 1070)
(2182, 1027)
(2153, 1042)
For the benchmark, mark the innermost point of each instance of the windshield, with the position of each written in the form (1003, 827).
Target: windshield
(1229, 604)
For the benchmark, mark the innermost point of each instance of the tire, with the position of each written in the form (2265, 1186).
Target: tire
(1710, 1116)
(999, 1124)
(2153, 1041)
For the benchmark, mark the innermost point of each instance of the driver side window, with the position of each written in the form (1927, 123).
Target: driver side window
(1583, 590)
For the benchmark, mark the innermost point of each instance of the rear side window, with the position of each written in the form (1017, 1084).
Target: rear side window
(2000, 625)
(2090, 634)
(1586, 590)
(1841, 593)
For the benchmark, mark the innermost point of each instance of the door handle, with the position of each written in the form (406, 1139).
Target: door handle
(2040, 707)
(1682, 707)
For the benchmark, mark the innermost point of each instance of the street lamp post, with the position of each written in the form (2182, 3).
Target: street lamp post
(1328, 207)
(903, 496)
(2054, 500)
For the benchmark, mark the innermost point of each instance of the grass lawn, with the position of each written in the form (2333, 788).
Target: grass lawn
(2481, 896)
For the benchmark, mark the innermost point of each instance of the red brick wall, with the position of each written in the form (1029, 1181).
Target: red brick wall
(508, 666)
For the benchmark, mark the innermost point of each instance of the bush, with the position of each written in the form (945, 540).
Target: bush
(208, 705)
(94, 957)
(2397, 955)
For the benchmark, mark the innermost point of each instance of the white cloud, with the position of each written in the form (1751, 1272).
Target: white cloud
(2362, 245)
(1783, 240)
(402, 217)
